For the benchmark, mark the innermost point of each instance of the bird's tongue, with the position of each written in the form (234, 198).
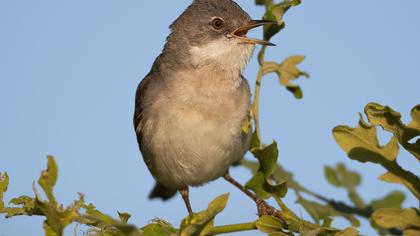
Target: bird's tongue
(241, 33)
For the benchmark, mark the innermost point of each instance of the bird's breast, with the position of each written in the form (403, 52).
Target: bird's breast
(192, 131)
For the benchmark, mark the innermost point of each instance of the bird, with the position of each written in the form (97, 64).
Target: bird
(191, 106)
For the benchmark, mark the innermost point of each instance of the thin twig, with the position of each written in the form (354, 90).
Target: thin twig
(224, 229)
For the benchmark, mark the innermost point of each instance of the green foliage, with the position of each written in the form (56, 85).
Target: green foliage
(341, 177)
(392, 200)
(4, 182)
(348, 232)
(58, 217)
(287, 71)
(407, 220)
(202, 223)
(159, 228)
(276, 12)
(361, 144)
(390, 120)
(260, 184)
(269, 224)
(324, 212)
(270, 179)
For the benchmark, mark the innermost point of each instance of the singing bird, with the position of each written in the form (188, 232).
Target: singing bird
(190, 108)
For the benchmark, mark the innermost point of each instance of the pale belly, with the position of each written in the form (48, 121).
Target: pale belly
(191, 130)
(189, 148)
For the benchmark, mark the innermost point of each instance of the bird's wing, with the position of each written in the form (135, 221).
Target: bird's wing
(138, 110)
(159, 191)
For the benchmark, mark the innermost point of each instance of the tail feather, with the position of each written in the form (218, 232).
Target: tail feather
(161, 192)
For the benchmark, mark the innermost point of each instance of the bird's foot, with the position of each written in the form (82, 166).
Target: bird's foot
(265, 209)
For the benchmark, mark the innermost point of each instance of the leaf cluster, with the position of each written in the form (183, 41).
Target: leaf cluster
(58, 217)
(270, 180)
(287, 71)
(361, 144)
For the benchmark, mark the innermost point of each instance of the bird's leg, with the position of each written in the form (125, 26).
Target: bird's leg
(241, 187)
(184, 194)
(263, 207)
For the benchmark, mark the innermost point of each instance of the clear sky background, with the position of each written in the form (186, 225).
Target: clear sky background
(69, 71)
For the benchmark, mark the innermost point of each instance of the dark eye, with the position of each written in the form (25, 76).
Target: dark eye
(217, 23)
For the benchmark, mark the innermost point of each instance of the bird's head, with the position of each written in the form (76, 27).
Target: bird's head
(213, 33)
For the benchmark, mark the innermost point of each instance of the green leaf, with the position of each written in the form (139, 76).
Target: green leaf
(392, 200)
(262, 2)
(341, 177)
(280, 175)
(415, 115)
(332, 176)
(269, 224)
(106, 225)
(59, 217)
(349, 179)
(124, 217)
(25, 201)
(98, 218)
(246, 126)
(255, 142)
(276, 189)
(276, 12)
(280, 233)
(217, 205)
(287, 71)
(327, 222)
(411, 232)
(318, 231)
(348, 232)
(361, 144)
(390, 120)
(259, 183)
(50, 209)
(320, 212)
(48, 179)
(201, 223)
(396, 218)
(271, 30)
(267, 158)
(256, 184)
(27, 207)
(4, 182)
(410, 181)
(159, 228)
(384, 116)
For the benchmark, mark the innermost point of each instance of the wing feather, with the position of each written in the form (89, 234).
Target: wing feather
(139, 107)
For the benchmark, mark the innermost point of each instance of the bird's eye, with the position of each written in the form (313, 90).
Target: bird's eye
(217, 23)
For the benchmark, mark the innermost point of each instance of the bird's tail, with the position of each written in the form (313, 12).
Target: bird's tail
(162, 192)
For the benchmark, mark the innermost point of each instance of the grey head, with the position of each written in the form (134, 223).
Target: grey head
(211, 32)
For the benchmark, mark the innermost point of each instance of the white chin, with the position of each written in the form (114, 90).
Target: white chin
(230, 54)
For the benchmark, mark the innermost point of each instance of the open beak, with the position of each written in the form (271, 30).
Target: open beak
(242, 31)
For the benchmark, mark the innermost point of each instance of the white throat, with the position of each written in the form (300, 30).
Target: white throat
(229, 55)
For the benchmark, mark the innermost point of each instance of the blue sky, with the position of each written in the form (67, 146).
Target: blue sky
(69, 71)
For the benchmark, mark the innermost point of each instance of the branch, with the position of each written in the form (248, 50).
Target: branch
(224, 229)
(256, 102)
